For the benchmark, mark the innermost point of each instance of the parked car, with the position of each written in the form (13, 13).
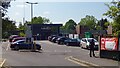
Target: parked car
(61, 40)
(54, 39)
(21, 44)
(50, 37)
(18, 38)
(12, 37)
(72, 42)
(85, 43)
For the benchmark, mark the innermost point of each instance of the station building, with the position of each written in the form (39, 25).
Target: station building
(42, 31)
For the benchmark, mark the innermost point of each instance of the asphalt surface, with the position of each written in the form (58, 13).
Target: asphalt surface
(52, 55)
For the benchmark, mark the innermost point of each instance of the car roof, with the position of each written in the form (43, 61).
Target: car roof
(13, 36)
(18, 41)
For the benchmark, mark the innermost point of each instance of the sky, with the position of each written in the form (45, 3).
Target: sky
(58, 11)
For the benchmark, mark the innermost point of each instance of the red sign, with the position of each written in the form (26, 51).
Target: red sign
(109, 43)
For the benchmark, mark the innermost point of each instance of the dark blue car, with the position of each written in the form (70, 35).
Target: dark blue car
(21, 44)
(72, 42)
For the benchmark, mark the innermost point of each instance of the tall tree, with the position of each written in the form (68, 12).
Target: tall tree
(88, 21)
(70, 26)
(102, 24)
(114, 13)
(39, 20)
(4, 6)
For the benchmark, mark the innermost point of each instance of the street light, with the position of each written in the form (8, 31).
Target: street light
(31, 8)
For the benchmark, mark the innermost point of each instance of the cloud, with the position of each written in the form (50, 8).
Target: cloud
(65, 0)
(21, 6)
(59, 23)
(46, 13)
(17, 13)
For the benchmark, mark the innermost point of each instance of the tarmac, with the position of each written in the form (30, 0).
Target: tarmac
(95, 61)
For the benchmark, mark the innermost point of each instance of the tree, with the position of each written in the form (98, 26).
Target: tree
(7, 26)
(40, 20)
(114, 13)
(5, 5)
(102, 24)
(88, 21)
(21, 28)
(70, 26)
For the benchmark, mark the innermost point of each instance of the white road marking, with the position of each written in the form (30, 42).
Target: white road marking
(80, 62)
(2, 63)
(76, 62)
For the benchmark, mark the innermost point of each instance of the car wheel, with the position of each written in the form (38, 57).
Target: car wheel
(16, 48)
(81, 46)
(87, 47)
(58, 42)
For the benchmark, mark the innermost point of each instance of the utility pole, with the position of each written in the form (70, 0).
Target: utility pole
(29, 28)
(0, 21)
(31, 8)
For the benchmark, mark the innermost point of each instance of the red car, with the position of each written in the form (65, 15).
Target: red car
(18, 38)
(12, 37)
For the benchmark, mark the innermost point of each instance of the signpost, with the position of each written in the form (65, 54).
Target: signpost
(0, 31)
(88, 35)
(109, 47)
(28, 34)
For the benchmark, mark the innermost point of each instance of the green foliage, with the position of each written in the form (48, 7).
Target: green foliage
(102, 24)
(88, 21)
(7, 25)
(39, 20)
(22, 34)
(114, 13)
(70, 26)
(21, 28)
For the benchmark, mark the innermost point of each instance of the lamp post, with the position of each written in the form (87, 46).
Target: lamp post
(31, 8)
(0, 22)
(29, 30)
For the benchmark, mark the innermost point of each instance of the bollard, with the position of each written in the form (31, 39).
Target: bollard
(34, 46)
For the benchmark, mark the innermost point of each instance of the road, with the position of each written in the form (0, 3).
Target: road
(52, 55)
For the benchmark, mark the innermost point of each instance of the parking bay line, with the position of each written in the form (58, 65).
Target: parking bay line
(2, 62)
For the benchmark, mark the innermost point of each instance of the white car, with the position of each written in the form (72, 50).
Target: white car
(85, 43)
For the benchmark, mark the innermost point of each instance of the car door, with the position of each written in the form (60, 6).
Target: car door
(84, 43)
(24, 45)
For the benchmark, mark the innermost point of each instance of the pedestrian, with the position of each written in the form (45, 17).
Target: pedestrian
(92, 43)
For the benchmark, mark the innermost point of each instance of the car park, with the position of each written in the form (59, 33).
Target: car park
(21, 44)
(72, 42)
(85, 43)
